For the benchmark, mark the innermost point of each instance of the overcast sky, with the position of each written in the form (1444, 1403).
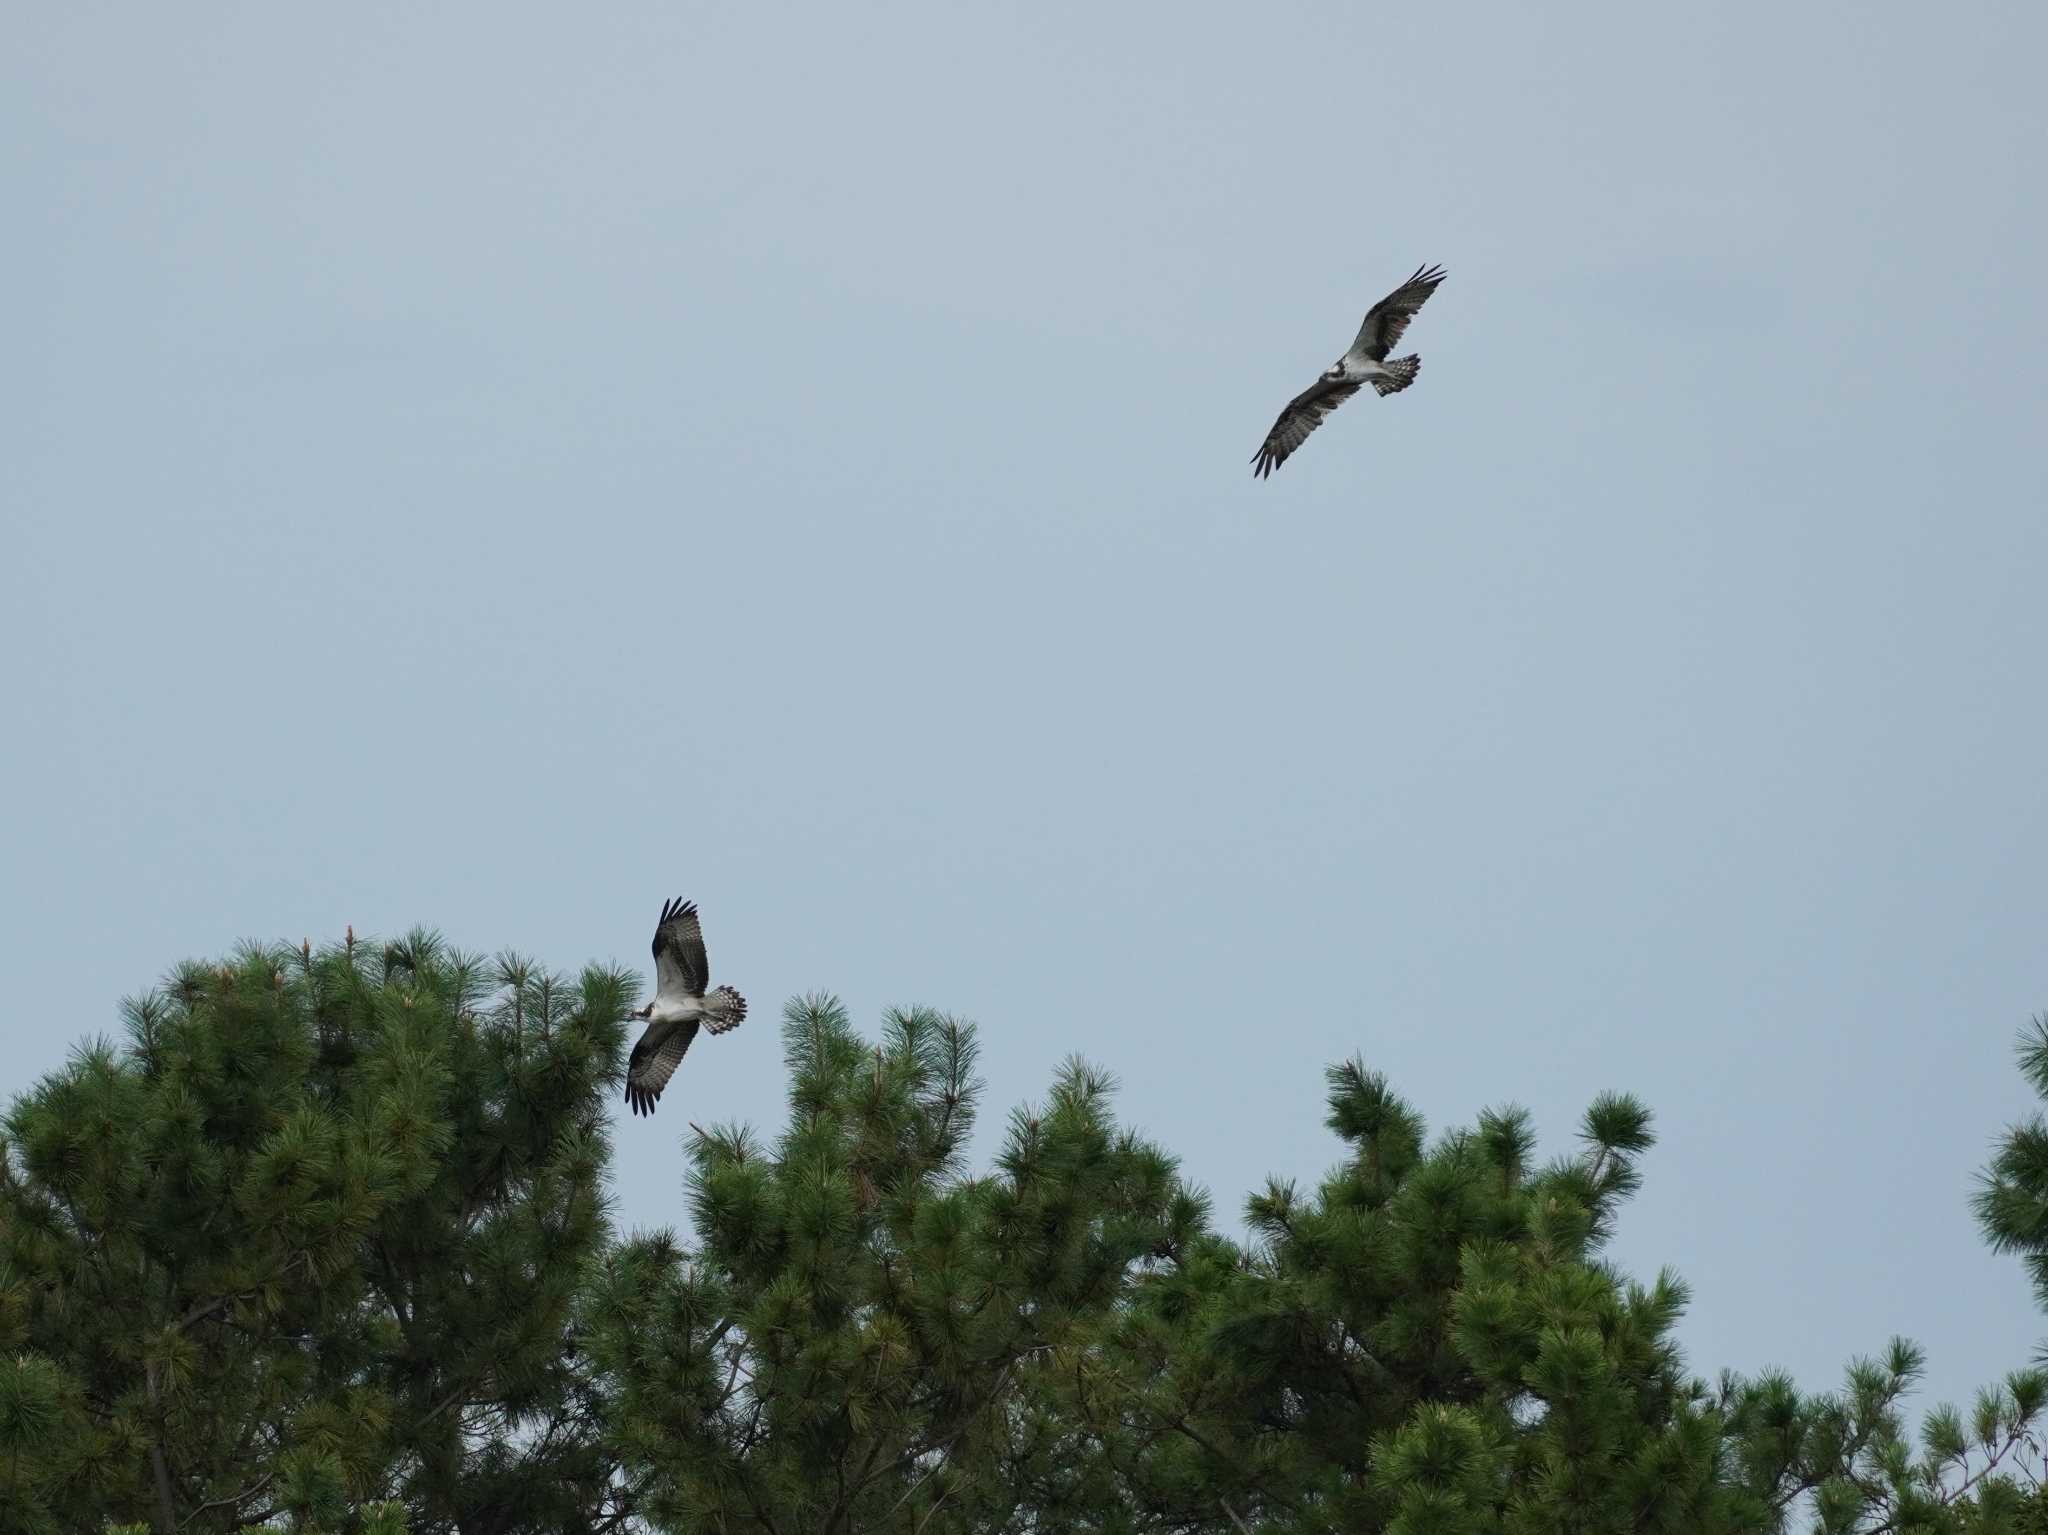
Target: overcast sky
(498, 466)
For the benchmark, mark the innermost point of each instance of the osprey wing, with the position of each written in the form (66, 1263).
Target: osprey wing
(1386, 321)
(654, 1061)
(680, 963)
(1304, 413)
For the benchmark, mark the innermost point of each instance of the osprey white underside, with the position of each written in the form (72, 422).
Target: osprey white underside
(1355, 365)
(670, 1007)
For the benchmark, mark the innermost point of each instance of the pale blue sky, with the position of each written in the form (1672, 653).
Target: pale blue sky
(499, 466)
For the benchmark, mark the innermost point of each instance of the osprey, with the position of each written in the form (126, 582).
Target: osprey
(1365, 363)
(680, 1005)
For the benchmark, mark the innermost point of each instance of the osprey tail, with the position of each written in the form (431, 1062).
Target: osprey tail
(724, 1009)
(1401, 373)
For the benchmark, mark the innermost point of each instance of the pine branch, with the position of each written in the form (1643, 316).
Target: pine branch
(732, 1378)
(2013, 1436)
(234, 1500)
(909, 1492)
(937, 1503)
(746, 1482)
(861, 1479)
(446, 1402)
(200, 1310)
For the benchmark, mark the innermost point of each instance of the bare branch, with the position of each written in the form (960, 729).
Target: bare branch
(233, 1500)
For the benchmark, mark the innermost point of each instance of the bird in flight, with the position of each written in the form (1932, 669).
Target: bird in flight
(680, 1005)
(1365, 363)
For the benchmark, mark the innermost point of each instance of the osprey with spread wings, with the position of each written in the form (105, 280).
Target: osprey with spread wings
(1366, 363)
(680, 1005)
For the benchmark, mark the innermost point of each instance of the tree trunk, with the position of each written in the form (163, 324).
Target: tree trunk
(166, 1502)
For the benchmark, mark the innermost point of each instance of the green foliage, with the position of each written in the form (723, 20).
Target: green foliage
(845, 1348)
(304, 1250)
(323, 1246)
(1428, 1343)
(1433, 1343)
(2012, 1194)
(1846, 1456)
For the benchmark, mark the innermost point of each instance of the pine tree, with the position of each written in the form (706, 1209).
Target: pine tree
(1846, 1461)
(306, 1246)
(323, 1245)
(1433, 1343)
(845, 1347)
(1424, 1345)
(2012, 1194)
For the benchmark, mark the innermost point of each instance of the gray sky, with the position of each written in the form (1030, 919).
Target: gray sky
(495, 467)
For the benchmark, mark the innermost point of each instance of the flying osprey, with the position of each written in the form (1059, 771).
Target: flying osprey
(1365, 363)
(681, 972)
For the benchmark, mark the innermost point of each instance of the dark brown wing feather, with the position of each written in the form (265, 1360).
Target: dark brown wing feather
(679, 959)
(1386, 321)
(654, 1061)
(1304, 413)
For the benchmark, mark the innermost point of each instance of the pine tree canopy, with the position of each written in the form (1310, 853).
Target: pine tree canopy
(308, 1242)
(323, 1245)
